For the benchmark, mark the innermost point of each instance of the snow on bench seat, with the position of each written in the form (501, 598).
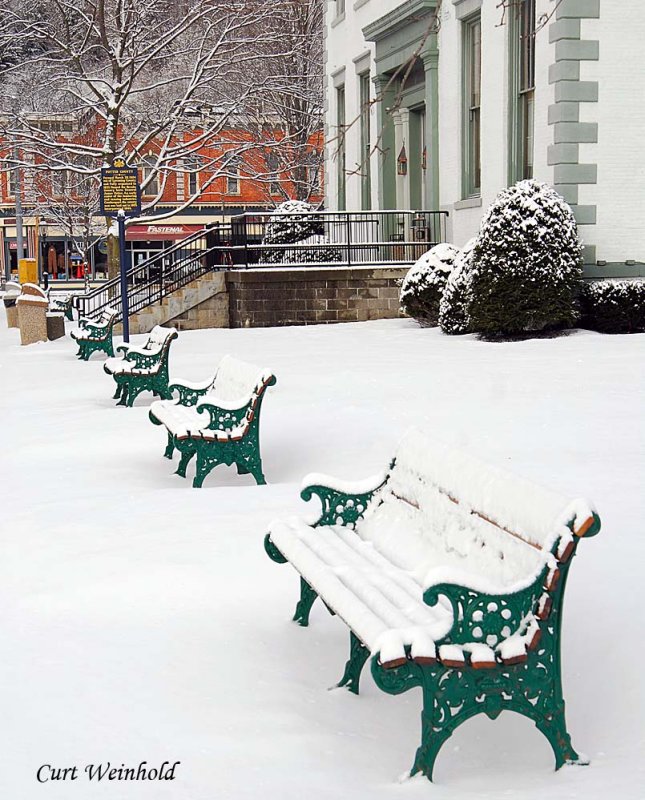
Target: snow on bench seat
(370, 594)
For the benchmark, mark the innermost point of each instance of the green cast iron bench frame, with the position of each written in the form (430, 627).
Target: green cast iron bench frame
(94, 335)
(63, 307)
(142, 369)
(226, 432)
(456, 684)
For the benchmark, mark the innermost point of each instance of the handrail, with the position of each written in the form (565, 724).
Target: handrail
(145, 265)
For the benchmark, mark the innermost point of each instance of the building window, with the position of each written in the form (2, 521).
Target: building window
(59, 183)
(340, 148)
(472, 110)
(313, 179)
(191, 176)
(149, 174)
(522, 51)
(275, 189)
(233, 180)
(366, 148)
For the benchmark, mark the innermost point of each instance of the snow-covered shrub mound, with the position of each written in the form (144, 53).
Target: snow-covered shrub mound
(526, 267)
(295, 222)
(454, 306)
(423, 286)
(613, 306)
(292, 221)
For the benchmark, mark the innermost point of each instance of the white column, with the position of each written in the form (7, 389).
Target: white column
(401, 119)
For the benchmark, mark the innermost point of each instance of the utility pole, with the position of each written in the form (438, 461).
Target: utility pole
(18, 189)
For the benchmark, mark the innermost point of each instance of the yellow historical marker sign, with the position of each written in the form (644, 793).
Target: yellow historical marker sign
(120, 189)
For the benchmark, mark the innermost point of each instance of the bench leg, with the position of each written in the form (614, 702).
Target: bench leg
(202, 469)
(117, 394)
(358, 655)
(133, 393)
(186, 455)
(303, 606)
(170, 447)
(555, 729)
(124, 395)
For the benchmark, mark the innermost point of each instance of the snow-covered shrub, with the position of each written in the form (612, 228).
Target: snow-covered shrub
(424, 283)
(526, 266)
(454, 306)
(295, 221)
(292, 221)
(613, 306)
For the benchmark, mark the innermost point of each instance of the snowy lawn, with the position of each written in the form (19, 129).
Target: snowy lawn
(142, 620)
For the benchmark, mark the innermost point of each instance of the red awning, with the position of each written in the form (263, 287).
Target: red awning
(160, 232)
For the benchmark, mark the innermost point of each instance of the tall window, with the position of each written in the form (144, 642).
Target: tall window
(59, 183)
(364, 101)
(523, 89)
(472, 110)
(233, 180)
(149, 171)
(340, 148)
(191, 176)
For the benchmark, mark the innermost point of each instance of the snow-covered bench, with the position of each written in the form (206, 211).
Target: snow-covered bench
(450, 573)
(142, 369)
(94, 334)
(218, 420)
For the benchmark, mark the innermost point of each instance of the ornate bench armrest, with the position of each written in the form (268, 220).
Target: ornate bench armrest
(480, 613)
(343, 502)
(189, 391)
(220, 418)
(143, 360)
(93, 328)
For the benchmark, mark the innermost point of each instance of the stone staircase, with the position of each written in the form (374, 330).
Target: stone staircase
(202, 303)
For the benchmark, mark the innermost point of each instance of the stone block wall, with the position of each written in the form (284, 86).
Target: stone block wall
(273, 297)
(210, 313)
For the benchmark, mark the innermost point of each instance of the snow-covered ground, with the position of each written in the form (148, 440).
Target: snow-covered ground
(142, 620)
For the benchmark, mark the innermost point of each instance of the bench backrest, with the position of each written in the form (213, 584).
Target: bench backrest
(442, 508)
(107, 316)
(158, 337)
(237, 380)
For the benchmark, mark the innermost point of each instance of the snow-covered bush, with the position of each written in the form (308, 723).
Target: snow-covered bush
(454, 306)
(294, 221)
(613, 306)
(526, 266)
(424, 283)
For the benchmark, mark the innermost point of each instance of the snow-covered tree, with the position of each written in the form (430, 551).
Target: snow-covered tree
(153, 83)
(455, 301)
(526, 267)
(289, 114)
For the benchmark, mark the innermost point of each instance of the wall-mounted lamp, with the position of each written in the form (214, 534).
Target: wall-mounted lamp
(402, 163)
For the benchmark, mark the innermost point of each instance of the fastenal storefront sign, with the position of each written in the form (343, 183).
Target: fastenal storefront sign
(120, 189)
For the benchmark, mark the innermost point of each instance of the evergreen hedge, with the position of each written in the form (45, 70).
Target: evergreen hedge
(613, 306)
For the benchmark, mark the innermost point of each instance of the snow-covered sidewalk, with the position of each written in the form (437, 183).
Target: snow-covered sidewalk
(142, 619)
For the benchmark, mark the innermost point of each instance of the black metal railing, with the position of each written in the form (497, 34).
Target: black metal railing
(318, 238)
(153, 279)
(335, 238)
